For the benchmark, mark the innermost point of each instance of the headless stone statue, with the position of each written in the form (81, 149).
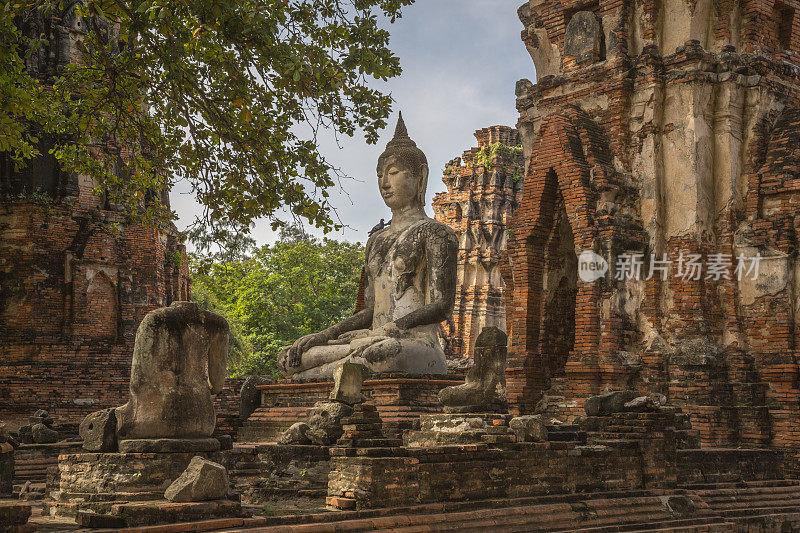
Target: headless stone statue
(411, 282)
(485, 388)
(179, 361)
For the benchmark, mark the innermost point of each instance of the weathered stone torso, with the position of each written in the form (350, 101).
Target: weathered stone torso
(397, 267)
(179, 361)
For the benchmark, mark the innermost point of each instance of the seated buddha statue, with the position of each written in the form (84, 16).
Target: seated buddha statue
(410, 284)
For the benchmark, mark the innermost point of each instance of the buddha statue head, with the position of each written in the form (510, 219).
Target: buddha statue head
(402, 171)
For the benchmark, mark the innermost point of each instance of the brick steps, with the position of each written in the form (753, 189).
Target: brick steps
(400, 400)
(216, 524)
(783, 498)
(554, 517)
(725, 508)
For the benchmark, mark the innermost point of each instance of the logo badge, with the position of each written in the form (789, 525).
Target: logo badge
(591, 266)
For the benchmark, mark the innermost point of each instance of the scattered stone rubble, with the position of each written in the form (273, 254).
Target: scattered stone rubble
(39, 430)
(325, 420)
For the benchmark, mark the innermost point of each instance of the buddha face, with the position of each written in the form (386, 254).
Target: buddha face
(401, 187)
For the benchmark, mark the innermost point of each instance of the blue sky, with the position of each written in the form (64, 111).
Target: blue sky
(461, 60)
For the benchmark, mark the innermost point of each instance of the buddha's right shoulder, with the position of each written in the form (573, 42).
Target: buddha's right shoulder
(377, 235)
(432, 229)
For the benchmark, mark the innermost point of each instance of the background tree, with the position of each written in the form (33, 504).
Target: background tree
(228, 94)
(281, 292)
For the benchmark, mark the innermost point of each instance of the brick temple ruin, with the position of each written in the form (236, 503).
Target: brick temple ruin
(75, 277)
(658, 130)
(483, 189)
(651, 379)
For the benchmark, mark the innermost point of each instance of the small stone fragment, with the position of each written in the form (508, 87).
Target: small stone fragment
(99, 431)
(43, 435)
(41, 417)
(201, 481)
(296, 434)
(25, 435)
(529, 428)
(347, 382)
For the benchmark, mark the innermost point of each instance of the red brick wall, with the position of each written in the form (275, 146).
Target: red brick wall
(75, 283)
(682, 138)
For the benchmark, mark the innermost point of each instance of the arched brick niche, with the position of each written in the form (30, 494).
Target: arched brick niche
(570, 170)
(102, 306)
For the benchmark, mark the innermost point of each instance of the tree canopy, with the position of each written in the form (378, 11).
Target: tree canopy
(228, 94)
(278, 293)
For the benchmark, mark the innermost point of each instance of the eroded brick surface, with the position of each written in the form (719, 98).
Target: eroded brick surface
(659, 128)
(483, 188)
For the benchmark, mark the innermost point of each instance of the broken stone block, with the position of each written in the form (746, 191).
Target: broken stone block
(529, 428)
(202, 480)
(459, 428)
(99, 431)
(609, 402)
(225, 442)
(484, 389)
(347, 382)
(325, 422)
(41, 417)
(43, 435)
(296, 434)
(323, 427)
(250, 395)
(642, 403)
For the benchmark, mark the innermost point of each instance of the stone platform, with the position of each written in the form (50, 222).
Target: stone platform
(400, 400)
(96, 482)
(289, 477)
(14, 517)
(622, 452)
(138, 514)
